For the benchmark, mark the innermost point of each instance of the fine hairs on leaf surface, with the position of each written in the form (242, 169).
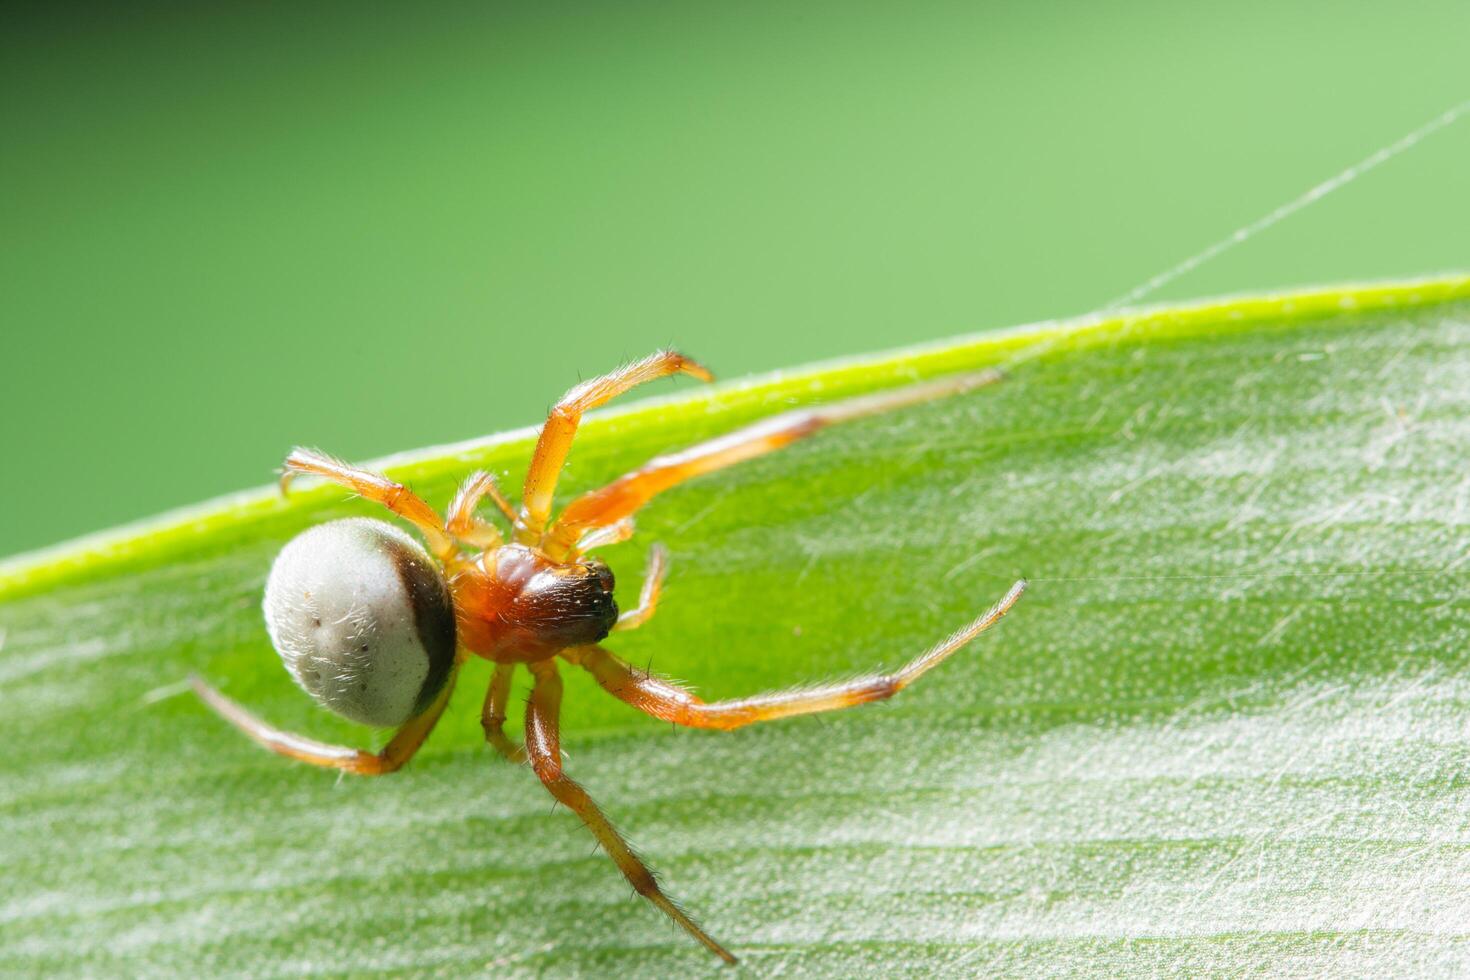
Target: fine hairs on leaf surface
(1224, 732)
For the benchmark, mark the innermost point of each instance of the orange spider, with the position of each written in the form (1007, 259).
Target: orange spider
(373, 629)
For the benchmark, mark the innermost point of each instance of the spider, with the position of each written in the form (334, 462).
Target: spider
(376, 630)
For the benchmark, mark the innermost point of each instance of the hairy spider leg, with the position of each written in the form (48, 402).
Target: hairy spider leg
(462, 522)
(625, 495)
(600, 537)
(492, 717)
(400, 748)
(543, 744)
(373, 486)
(668, 701)
(556, 436)
(653, 583)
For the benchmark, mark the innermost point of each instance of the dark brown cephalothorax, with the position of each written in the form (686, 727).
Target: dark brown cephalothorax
(515, 604)
(376, 629)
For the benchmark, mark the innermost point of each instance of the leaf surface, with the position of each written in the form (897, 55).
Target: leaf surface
(1225, 730)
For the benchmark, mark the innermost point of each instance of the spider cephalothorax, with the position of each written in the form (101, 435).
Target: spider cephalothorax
(514, 603)
(375, 628)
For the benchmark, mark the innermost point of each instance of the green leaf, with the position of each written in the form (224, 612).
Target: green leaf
(1225, 730)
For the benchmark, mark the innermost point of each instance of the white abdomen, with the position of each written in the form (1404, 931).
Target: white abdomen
(361, 618)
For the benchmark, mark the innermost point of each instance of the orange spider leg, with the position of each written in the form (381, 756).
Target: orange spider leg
(625, 495)
(601, 537)
(556, 436)
(461, 520)
(653, 581)
(492, 718)
(543, 743)
(670, 702)
(400, 748)
(373, 486)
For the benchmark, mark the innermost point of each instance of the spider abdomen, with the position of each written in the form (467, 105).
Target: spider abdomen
(362, 620)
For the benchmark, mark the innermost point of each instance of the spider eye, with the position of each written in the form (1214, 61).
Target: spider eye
(599, 568)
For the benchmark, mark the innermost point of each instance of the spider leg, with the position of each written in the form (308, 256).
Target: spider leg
(601, 537)
(462, 522)
(373, 486)
(543, 743)
(625, 495)
(492, 718)
(670, 702)
(653, 582)
(400, 748)
(556, 436)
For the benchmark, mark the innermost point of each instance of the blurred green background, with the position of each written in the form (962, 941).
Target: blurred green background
(232, 229)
